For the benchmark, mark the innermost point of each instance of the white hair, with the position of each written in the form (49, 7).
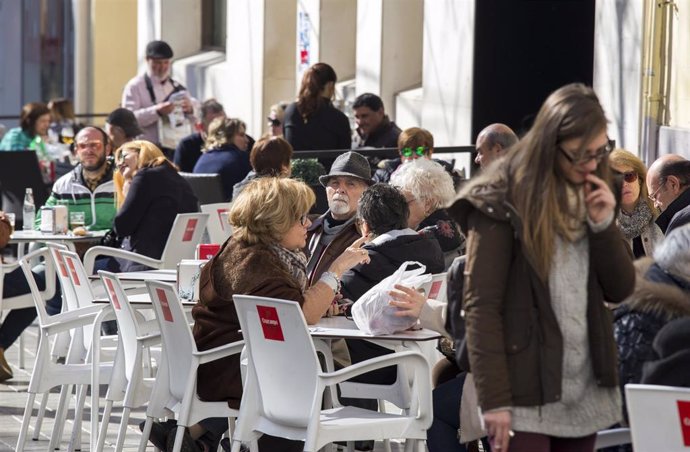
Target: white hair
(427, 180)
(673, 253)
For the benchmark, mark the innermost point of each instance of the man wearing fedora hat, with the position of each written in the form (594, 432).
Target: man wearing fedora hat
(335, 230)
(148, 94)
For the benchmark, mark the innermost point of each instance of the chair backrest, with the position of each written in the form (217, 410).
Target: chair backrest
(127, 323)
(436, 288)
(68, 296)
(176, 336)
(219, 229)
(659, 417)
(184, 236)
(25, 263)
(80, 285)
(282, 355)
(207, 188)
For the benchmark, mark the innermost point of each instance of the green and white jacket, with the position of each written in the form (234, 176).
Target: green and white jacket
(98, 206)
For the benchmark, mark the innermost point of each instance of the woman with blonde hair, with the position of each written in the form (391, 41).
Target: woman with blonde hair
(263, 257)
(225, 153)
(149, 194)
(312, 122)
(543, 253)
(637, 215)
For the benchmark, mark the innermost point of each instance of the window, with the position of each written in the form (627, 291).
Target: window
(213, 18)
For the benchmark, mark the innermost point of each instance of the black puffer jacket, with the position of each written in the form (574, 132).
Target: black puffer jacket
(641, 316)
(386, 257)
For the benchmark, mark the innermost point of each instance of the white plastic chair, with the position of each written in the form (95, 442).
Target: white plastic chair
(219, 230)
(281, 355)
(128, 383)
(659, 417)
(22, 301)
(47, 373)
(175, 388)
(87, 344)
(436, 288)
(184, 236)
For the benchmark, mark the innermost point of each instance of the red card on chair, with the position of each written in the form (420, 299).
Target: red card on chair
(113, 296)
(207, 250)
(684, 415)
(165, 307)
(270, 323)
(189, 230)
(435, 289)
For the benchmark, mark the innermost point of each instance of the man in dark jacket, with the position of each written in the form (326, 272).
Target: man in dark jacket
(374, 128)
(188, 149)
(668, 182)
(332, 232)
(383, 212)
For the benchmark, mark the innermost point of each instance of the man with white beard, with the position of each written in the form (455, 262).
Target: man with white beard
(335, 230)
(148, 95)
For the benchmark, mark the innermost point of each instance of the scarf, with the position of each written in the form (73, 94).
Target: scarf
(574, 224)
(633, 224)
(296, 263)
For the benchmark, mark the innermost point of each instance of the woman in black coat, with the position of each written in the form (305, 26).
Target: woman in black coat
(150, 194)
(313, 123)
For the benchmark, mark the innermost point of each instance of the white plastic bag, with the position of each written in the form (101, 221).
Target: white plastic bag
(372, 313)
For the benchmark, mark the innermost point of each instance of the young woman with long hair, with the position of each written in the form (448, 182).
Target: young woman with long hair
(312, 122)
(543, 254)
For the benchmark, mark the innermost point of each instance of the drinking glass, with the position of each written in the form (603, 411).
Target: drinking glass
(76, 219)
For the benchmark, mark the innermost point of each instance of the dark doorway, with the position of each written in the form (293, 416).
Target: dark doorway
(525, 49)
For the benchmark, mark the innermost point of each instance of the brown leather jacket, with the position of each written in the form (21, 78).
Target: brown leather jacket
(5, 231)
(513, 338)
(238, 268)
(334, 249)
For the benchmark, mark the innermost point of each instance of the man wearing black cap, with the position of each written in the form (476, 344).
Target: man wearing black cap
(332, 232)
(148, 95)
(122, 127)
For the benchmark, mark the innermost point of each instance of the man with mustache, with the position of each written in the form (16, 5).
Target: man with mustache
(335, 230)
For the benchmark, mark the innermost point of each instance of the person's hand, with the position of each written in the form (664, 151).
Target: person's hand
(408, 301)
(165, 108)
(353, 255)
(498, 429)
(126, 185)
(599, 199)
(187, 106)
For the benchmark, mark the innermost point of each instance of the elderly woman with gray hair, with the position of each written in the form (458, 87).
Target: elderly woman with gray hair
(662, 294)
(428, 188)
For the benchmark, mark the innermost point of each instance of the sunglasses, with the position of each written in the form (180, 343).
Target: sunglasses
(585, 158)
(304, 219)
(419, 151)
(629, 177)
(273, 122)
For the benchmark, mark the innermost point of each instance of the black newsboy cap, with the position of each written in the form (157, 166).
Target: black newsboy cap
(159, 50)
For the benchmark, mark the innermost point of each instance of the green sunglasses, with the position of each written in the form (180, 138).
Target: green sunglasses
(419, 151)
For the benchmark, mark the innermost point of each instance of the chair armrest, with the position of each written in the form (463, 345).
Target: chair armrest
(94, 252)
(150, 339)
(7, 268)
(414, 358)
(216, 353)
(66, 321)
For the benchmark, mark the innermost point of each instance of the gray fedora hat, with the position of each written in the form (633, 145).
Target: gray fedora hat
(349, 164)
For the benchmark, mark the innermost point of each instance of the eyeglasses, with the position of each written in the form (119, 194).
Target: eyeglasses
(89, 144)
(658, 189)
(273, 122)
(409, 152)
(304, 219)
(598, 155)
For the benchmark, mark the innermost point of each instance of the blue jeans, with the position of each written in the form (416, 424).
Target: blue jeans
(17, 320)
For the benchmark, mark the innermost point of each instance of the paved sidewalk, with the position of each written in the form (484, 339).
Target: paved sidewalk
(13, 399)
